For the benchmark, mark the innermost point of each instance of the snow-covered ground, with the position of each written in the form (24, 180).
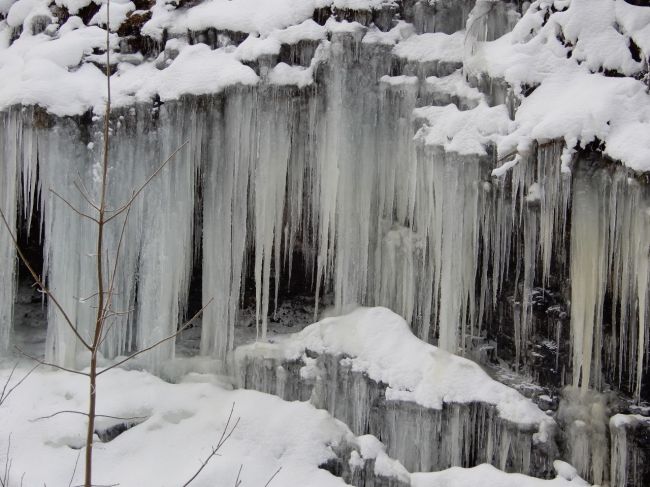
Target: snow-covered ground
(174, 428)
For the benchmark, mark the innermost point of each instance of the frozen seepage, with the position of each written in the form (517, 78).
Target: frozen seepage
(370, 371)
(609, 263)
(583, 420)
(629, 450)
(531, 214)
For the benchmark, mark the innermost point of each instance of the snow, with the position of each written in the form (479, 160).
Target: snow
(73, 6)
(564, 55)
(308, 30)
(271, 433)
(234, 15)
(432, 47)
(118, 11)
(454, 85)
(22, 10)
(401, 31)
(464, 131)
(579, 107)
(380, 344)
(283, 74)
(487, 475)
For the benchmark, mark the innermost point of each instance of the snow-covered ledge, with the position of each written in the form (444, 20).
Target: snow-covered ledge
(370, 371)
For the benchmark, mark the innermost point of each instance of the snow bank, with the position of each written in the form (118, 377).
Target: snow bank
(487, 475)
(381, 345)
(177, 424)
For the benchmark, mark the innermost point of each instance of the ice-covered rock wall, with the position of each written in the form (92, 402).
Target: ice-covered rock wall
(479, 167)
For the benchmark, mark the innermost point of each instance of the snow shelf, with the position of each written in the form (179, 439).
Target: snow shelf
(380, 344)
(432, 409)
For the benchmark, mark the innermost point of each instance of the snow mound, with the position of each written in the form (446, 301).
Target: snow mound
(381, 345)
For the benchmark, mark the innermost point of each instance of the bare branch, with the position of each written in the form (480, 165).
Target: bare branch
(272, 477)
(237, 481)
(84, 192)
(225, 435)
(49, 364)
(159, 342)
(74, 470)
(71, 206)
(69, 411)
(112, 279)
(40, 283)
(144, 185)
(6, 393)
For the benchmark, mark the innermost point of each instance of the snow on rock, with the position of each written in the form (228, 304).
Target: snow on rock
(283, 74)
(454, 85)
(233, 15)
(580, 107)
(118, 13)
(401, 31)
(432, 47)
(559, 49)
(465, 132)
(381, 344)
(488, 475)
(155, 451)
(73, 6)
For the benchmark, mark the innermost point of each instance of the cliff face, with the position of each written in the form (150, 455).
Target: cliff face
(480, 168)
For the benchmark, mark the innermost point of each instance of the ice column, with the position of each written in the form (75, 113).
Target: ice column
(9, 156)
(609, 259)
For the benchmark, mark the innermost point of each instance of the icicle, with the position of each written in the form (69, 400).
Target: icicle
(273, 151)
(10, 138)
(609, 254)
(225, 216)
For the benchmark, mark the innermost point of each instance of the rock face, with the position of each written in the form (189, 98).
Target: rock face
(479, 167)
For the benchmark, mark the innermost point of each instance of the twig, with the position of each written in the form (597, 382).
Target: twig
(84, 192)
(5, 475)
(144, 185)
(159, 342)
(237, 481)
(74, 470)
(49, 364)
(272, 477)
(71, 206)
(112, 280)
(225, 435)
(69, 411)
(40, 283)
(6, 393)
